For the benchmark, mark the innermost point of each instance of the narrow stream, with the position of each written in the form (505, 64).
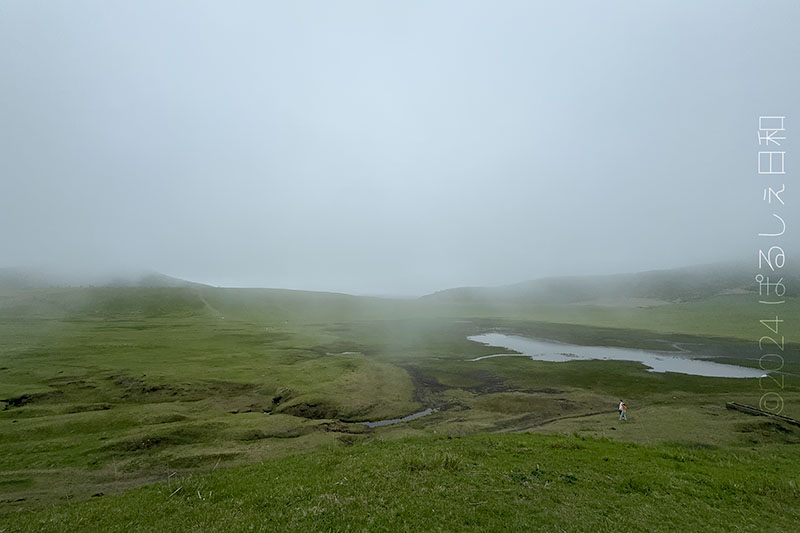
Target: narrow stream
(408, 418)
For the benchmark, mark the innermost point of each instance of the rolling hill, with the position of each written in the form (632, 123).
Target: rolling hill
(28, 277)
(648, 288)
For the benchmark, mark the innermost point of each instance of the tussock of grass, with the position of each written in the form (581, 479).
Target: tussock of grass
(419, 460)
(567, 444)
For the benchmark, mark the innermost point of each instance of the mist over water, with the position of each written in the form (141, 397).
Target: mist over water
(386, 148)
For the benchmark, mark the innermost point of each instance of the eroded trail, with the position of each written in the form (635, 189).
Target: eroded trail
(556, 419)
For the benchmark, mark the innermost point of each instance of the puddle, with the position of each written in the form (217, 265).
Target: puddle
(408, 418)
(556, 352)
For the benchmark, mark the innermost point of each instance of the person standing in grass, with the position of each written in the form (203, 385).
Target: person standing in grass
(623, 411)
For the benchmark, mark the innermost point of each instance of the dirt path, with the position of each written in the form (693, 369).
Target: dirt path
(211, 309)
(551, 420)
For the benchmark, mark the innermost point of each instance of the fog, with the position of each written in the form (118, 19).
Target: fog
(388, 147)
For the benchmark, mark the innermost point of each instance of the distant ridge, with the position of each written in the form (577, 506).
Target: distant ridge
(666, 286)
(25, 278)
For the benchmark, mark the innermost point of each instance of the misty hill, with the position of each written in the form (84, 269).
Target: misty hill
(23, 278)
(647, 288)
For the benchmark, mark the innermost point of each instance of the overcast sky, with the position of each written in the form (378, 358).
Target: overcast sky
(390, 147)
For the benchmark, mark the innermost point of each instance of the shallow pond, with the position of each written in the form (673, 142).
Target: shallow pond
(541, 350)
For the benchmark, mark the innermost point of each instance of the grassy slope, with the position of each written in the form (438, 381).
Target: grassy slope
(674, 285)
(115, 386)
(138, 384)
(477, 483)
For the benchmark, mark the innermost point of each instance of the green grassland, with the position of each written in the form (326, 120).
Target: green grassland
(247, 392)
(475, 483)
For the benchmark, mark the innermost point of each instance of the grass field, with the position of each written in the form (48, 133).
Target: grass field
(103, 390)
(476, 483)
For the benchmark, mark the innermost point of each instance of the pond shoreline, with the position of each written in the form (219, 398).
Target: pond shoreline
(683, 362)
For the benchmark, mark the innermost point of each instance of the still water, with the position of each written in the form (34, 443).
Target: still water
(556, 352)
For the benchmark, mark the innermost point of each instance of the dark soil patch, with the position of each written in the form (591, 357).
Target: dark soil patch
(37, 397)
(521, 426)
(769, 431)
(488, 382)
(425, 387)
(139, 389)
(291, 433)
(89, 407)
(314, 410)
(282, 395)
(338, 426)
(135, 386)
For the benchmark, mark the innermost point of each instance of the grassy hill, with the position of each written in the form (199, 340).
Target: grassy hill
(27, 278)
(658, 286)
(105, 389)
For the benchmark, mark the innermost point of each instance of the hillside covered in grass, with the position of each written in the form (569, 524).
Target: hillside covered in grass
(478, 483)
(106, 389)
(654, 287)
